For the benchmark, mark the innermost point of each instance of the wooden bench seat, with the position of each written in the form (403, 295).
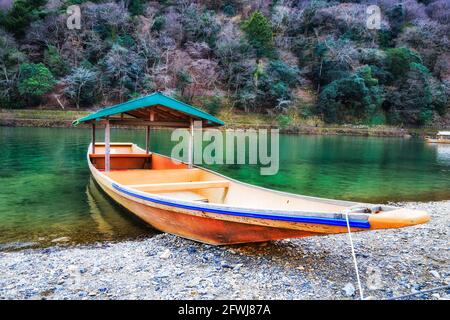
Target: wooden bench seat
(184, 195)
(121, 155)
(121, 161)
(178, 186)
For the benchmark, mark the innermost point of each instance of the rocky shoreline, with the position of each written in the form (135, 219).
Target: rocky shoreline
(391, 263)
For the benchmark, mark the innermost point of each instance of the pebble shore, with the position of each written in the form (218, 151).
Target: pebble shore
(391, 263)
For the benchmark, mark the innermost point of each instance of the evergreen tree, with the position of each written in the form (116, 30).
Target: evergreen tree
(259, 33)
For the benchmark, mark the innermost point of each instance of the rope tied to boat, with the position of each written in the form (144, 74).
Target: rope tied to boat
(355, 262)
(375, 210)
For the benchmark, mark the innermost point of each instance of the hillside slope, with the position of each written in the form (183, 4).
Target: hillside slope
(313, 61)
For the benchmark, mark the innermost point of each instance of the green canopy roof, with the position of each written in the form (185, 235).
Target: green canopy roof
(170, 107)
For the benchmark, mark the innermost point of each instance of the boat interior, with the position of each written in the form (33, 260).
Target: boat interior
(153, 173)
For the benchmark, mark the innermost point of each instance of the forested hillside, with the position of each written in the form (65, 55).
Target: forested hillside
(290, 59)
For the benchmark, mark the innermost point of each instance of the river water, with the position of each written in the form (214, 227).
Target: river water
(46, 191)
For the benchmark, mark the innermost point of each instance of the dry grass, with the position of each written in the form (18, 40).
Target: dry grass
(234, 118)
(57, 115)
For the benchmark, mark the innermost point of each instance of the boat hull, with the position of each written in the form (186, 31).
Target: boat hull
(203, 229)
(443, 141)
(210, 228)
(228, 225)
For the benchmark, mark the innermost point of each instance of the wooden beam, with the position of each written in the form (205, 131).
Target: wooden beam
(165, 115)
(131, 115)
(162, 116)
(107, 146)
(121, 155)
(191, 144)
(178, 115)
(140, 114)
(147, 139)
(93, 137)
(132, 122)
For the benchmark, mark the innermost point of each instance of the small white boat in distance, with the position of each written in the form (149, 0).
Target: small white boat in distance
(441, 137)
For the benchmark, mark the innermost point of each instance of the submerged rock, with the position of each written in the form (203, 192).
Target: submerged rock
(61, 239)
(17, 245)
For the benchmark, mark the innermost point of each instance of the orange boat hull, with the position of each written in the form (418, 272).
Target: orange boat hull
(220, 225)
(207, 230)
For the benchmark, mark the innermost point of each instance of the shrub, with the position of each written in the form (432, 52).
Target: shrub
(80, 86)
(183, 79)
(18, 18)
(106, 19)
(135, 7)
(350, 98)
(10, 60)
(158, 23)
(412, 101)
(440, 97)
(399, 61)
(35, 80)
(336, 59)
(270, 86)
(212, 104)
(199, 25)
(54, 61)
(283, 72)
(284, 120)
(396, 16)
(123, 72)
(233, 53)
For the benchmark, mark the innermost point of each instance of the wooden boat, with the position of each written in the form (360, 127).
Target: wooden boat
(205, 206)
(441, 137)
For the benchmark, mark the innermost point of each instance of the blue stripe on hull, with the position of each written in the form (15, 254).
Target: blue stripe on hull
(302, 219)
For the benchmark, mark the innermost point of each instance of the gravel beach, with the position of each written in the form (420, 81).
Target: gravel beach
(391, 263)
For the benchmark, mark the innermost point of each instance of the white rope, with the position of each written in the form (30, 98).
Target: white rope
(361, 295)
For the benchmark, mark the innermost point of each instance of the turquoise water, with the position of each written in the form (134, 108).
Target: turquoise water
(46, 191)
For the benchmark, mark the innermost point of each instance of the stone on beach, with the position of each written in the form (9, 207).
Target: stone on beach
(349, 289)
(166, 254)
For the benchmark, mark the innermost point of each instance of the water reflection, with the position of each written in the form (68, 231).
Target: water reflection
(110, 219)
(93, 199)
(443, 153)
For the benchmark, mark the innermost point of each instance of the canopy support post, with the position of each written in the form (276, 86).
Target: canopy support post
(93, 137)
(147, 139)
(107, 146)
(191, 144)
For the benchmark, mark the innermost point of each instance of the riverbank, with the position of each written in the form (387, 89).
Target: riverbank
(64, 119)
(391, 262)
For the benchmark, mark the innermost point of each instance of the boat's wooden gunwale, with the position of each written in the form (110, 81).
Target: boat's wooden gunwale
(321, 217)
